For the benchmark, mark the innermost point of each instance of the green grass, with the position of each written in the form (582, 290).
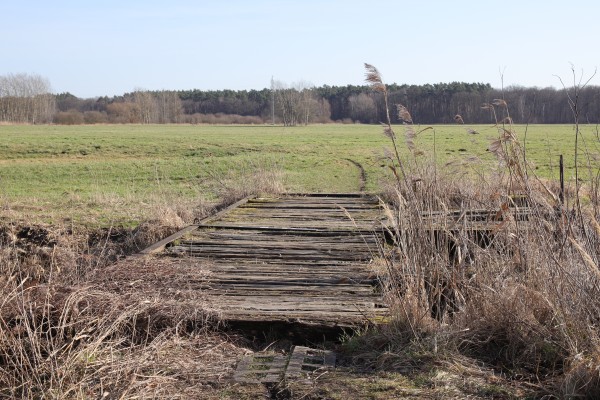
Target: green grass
(110, 173)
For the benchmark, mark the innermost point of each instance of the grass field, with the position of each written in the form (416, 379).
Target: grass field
(113, 174)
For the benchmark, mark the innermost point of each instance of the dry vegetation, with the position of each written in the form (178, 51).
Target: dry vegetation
(508, 311)
(64, 333)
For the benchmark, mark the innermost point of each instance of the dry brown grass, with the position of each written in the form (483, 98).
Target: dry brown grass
(75, 325)
(263, 177)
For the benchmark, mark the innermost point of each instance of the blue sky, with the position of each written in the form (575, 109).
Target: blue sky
(95, 48)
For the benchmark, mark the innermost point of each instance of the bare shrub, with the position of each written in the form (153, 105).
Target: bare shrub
(71, 117)
(223, 119)
(124, 113)
(95, 117)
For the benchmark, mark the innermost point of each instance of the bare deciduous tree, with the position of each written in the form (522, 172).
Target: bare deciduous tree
(162, 107)
(26, 99)
(147, 105)
(362, 108)
(170, 108)
(299, 104)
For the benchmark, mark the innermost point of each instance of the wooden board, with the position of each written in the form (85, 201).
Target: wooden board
(274, 368)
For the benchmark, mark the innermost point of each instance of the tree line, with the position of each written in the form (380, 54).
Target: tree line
(27, 99)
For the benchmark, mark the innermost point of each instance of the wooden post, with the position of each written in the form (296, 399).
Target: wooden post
(561, 195)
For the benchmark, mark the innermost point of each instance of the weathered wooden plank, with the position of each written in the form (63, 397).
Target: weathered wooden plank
(289, 233)
(349, 317)
(272, 252)
(270, 246)
(259, 240)
(296, 308)
(372, 299)
(273, 244)
(280, 265)
(317, 199)
(251, 301)
(280, 268)
(285, 263)
(282, 290)
(264, 237)
(266, 309)
(332, 217)
(159, 246)
(265, 224)
(320, 220)
(313, 207)
(230, 254)
(302, 211)
(293, 230)
(334, 209)
(331, 194)
(296, 272)
(251, 289)
(298, 280)
(276, 253)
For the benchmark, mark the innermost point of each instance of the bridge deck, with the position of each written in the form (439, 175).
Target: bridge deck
(297, 258)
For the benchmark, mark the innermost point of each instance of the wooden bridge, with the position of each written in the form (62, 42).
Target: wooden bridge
(304, 259)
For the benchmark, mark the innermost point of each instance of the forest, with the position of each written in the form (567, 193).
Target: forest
(28, 99)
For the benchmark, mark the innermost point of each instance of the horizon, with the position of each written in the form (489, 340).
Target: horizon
(113, 48)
